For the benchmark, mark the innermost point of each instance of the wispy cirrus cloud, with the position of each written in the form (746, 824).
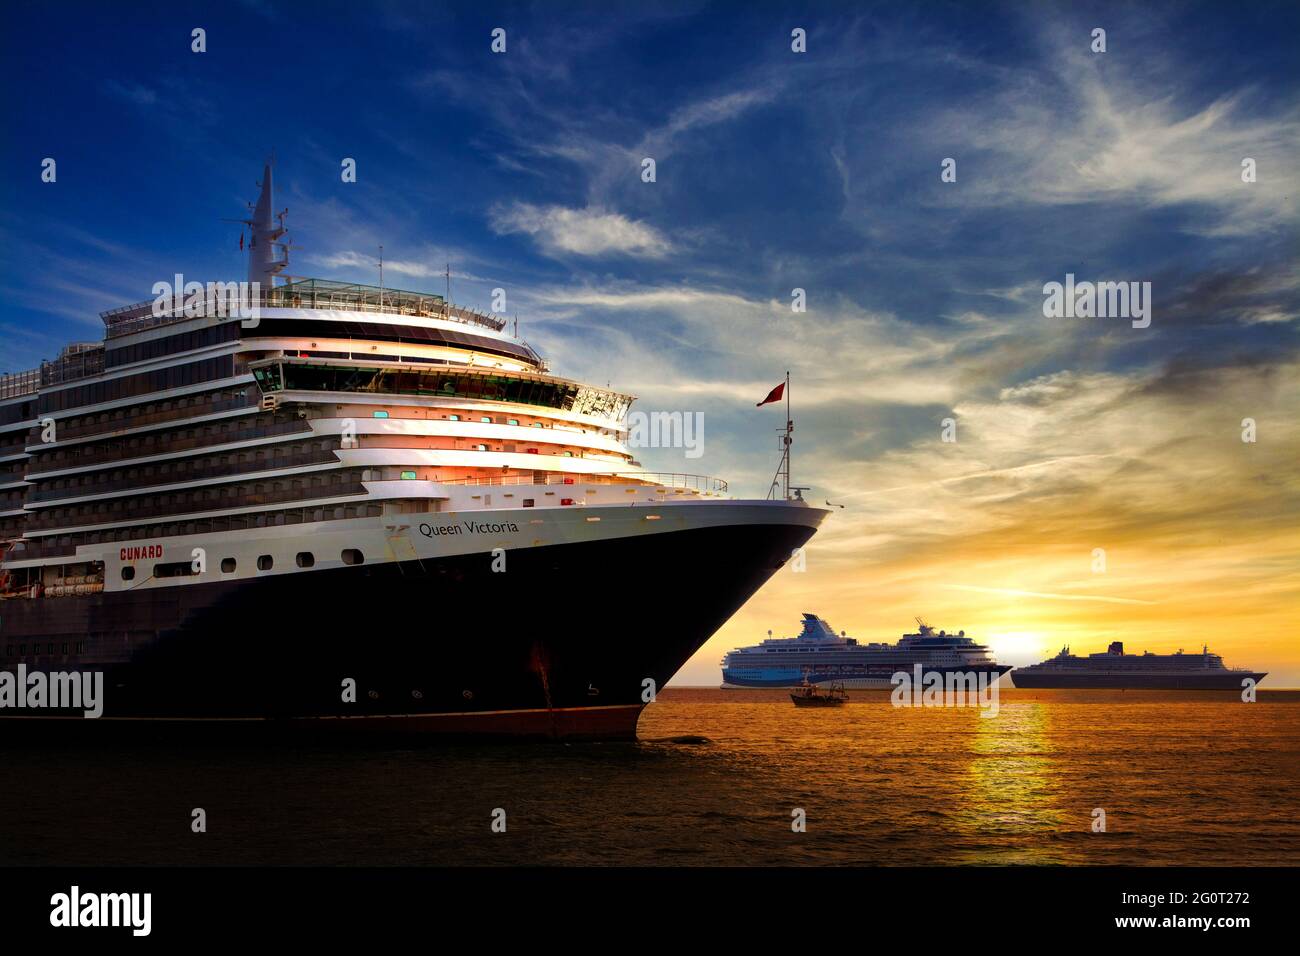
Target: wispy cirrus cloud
(1013, 592)
(1088, 129)
(559, 230)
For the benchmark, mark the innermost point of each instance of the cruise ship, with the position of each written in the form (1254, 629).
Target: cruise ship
(363, 505)
(820, 656)
(1147, 671)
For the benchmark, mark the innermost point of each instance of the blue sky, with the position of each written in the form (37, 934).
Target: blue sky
(775, 170)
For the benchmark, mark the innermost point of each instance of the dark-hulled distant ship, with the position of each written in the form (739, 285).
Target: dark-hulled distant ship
(1116, 670)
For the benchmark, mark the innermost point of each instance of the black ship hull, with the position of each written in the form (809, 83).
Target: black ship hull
(571, 641)
(1231, 680)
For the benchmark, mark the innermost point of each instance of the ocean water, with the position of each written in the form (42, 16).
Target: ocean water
(717, 777)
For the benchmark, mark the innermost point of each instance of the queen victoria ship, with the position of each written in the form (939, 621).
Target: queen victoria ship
(359, 505)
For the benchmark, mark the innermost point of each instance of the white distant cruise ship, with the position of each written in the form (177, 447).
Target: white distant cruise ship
(820, 656)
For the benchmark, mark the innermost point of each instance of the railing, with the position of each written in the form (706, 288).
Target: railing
(699, 483)
(16, 384)
(703, 483)
(73, 366)
(66, 368)
(304, 294)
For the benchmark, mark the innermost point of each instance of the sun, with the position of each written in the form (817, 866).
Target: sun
(1017, 646)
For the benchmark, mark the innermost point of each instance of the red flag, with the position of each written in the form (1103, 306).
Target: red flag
(773, 396)
(241, 242)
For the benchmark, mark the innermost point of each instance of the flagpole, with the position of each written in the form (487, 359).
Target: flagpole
(787, 434)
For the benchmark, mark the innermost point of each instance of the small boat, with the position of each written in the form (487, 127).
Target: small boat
(808, 696)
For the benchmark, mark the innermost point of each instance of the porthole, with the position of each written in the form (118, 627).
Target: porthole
(306, 559)
(227, 565)
(128, 573)
(353, 556)
(265, 562)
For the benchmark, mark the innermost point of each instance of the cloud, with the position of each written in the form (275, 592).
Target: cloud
(133, 93)
(1091, 130)
(351, 259)
(583, 232)
(1049, 597)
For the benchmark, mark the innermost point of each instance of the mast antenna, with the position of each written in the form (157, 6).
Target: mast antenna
(381, 277)
(782, 477)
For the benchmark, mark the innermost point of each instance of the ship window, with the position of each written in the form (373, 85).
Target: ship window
(408, 475)
(353, 556)
(306, 559)
(537, 424)
(174, 569)
(528, 502)
(512, 421)
(453, 418)
(265, 562)
(480, 448)
(227, 565)
(65, 648)
(487, 419)
(128, 573)
(381, 414)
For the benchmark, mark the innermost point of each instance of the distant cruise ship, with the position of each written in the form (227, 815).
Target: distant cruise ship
(1115, 669)
(819, 655)
(304, 516)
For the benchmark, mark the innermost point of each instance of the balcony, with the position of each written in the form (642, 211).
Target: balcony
(178, 414)
(58, 461)
(229, 471)
(135, 512)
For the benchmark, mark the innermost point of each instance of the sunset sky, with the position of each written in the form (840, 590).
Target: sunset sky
(774, 171)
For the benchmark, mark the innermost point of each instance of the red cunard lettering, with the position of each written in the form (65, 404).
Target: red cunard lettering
(140, 552)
